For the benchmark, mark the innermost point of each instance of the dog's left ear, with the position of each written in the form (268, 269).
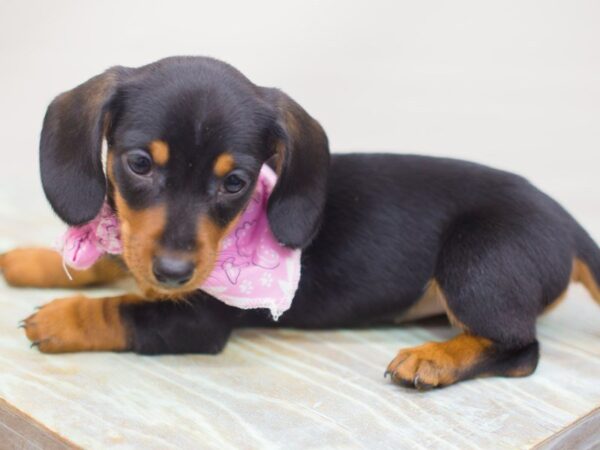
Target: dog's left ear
(295, 208)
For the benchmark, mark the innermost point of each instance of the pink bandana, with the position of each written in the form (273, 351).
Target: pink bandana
(253, 270)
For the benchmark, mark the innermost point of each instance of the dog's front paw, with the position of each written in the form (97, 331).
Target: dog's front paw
(56, 327)
(76, 324)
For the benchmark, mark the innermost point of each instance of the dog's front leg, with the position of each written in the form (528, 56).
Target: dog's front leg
(199, 324)
(43, 268)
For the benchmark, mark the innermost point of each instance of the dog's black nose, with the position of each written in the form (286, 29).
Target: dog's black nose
(172, 271)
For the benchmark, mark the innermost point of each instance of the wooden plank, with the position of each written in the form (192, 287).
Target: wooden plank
(19, 431)
(297, 389)
(584, 433)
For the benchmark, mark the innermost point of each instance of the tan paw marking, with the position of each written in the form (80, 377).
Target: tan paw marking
(437, 364)
(78, 324)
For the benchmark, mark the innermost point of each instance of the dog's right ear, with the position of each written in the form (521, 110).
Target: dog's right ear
(71, 147)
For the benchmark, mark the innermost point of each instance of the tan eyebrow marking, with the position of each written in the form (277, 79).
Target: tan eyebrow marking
(223, 164)
(160, 152)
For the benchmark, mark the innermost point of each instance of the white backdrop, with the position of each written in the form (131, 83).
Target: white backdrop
(514, 84)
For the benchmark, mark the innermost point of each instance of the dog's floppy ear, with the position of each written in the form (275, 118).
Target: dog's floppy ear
(296, 205)
(71, 147)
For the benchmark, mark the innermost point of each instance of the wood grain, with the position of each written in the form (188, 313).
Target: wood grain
(582, 434)
(19, 431)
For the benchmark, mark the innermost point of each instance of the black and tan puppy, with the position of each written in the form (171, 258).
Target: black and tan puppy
(380, 233)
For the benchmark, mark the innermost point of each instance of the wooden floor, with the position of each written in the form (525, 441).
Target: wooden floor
(285, 388)
(292, 389)
(581, 434)
(19, 431)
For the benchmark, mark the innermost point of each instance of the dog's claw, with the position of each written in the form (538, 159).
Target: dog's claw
(421, 386)
(35, 344)
(386, 373)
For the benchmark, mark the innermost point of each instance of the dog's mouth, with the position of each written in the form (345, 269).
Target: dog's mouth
(161, 271)
(160, 292)
(173, 287)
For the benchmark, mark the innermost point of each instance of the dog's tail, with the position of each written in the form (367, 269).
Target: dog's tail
(586, 269)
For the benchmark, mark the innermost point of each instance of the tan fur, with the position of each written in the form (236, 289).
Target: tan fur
(438, 363)
(160, 152)
(43, 268)
(519, 372)
(582, 274)
(279, 156)
(78, 324)
(223, 164)
(292, 128)
(430, 304)
(451, 317)
(140, 234)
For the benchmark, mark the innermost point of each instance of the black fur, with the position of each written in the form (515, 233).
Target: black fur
(501, 250)
(201, 107)
(375, 228)
(201, 325)
(70, 148)
(298, 200)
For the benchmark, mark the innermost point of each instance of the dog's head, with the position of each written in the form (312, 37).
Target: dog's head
(186, 138)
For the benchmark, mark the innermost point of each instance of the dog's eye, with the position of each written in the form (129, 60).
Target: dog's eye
(139, 162)
(233, 184)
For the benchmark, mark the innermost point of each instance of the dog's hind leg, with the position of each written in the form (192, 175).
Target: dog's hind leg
(480, 350)
(584, 275)
(586, 267)
(495, 280)
(439, 364)
(43, 268)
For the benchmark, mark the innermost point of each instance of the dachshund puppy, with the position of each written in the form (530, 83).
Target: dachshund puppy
(382, 236)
